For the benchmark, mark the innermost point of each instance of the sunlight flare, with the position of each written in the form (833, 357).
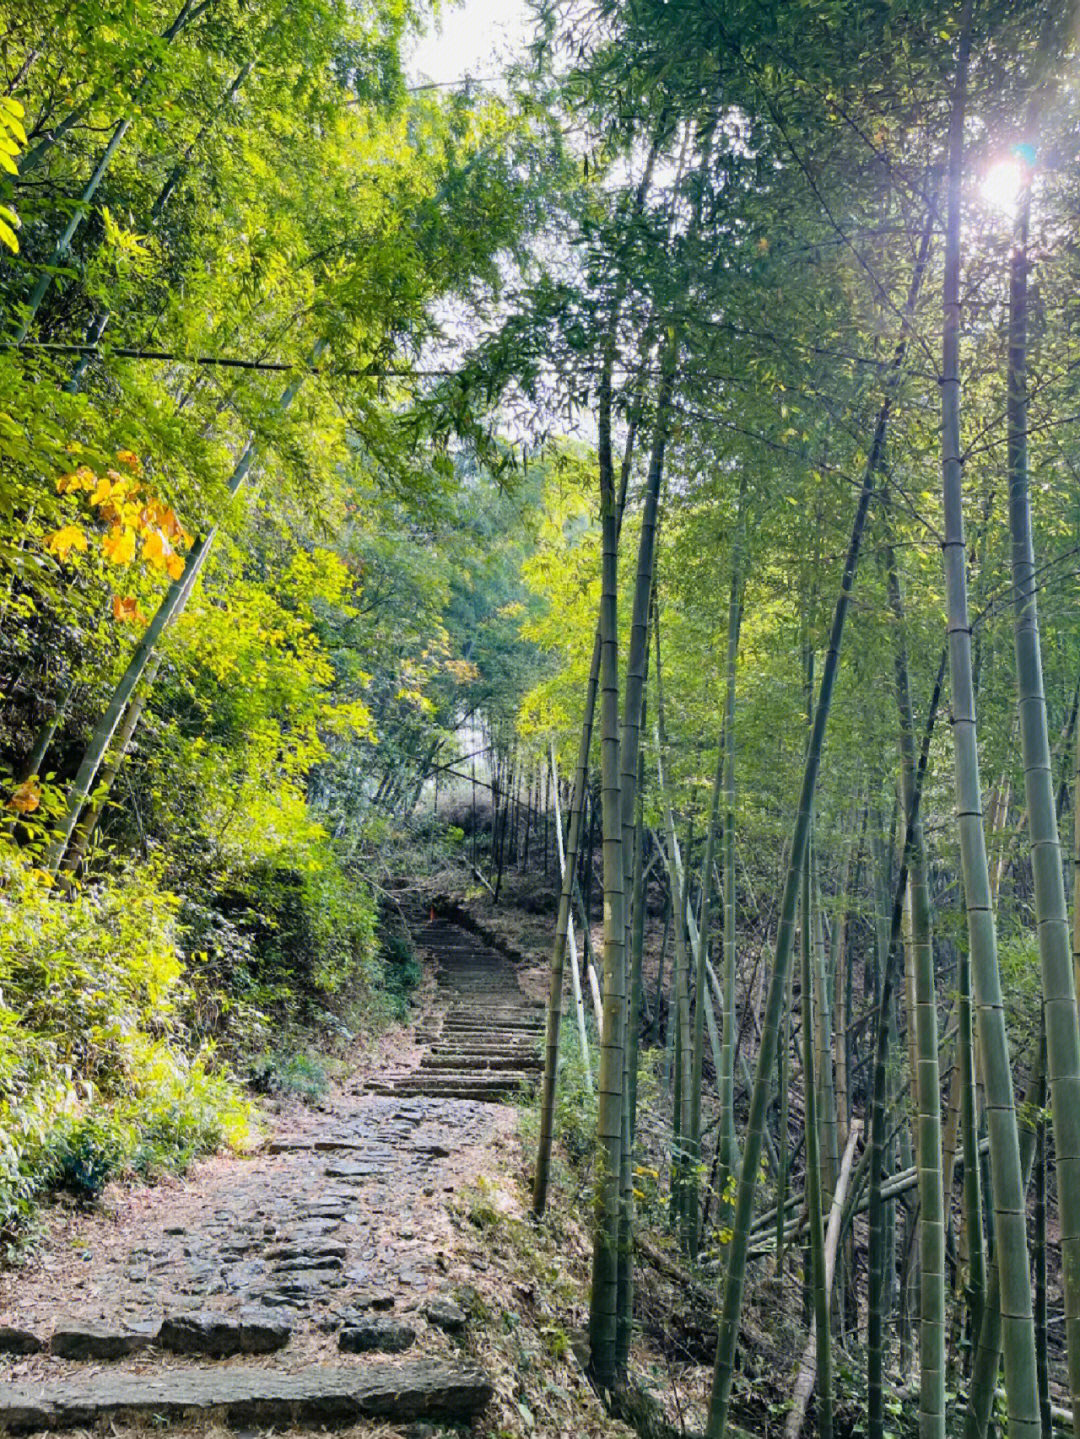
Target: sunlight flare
(1002, 184)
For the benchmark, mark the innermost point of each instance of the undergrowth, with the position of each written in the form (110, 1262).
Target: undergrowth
(97, 1072)
(130, 1019)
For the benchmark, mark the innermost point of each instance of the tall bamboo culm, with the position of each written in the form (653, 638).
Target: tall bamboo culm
(925, 1074)
(815, 1221)
(728, 1143)
(1018, 1331)
(1051, 911)
(603, 1304)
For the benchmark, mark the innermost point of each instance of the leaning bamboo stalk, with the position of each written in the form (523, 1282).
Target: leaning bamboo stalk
(571, 939)
(729, 1150)
(88, 821)
(680, 1148)
(99, 324)
(782, 1070)
(823, 1039)
(876, 1262)
(82, 208)
(987, 1361)
(804, 1380)
(187, 16)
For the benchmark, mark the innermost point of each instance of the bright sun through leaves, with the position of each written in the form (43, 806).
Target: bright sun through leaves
(1002, 184)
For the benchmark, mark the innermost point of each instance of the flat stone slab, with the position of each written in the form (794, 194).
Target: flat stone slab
(221, 1335)
(383, 1336)
(446, 1315)
(19, 1341)
(79, 1339)
(420, 1389)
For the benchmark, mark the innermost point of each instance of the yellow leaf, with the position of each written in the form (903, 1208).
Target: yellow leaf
(26, 797)
(126, 610)
(175, 566)
(119, 545)
(153, 549)
(62, 541)
(81, 479)
(102, 490)
(131, 460)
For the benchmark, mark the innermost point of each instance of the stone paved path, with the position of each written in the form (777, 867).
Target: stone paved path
(250, 1289)
(486, 1042)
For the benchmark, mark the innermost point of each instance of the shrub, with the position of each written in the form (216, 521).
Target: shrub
(289, 1074)
(401, 973)
(95, 1071)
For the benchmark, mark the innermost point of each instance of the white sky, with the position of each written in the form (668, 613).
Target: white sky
(474, 38)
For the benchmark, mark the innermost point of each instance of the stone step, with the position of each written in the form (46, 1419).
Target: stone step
(452, 1086)
(459, 1062)
(495, 1050)
(462, 1033)
(457, 1091)
(477, 1041)
(240, 1397)
(479, 1019)
(494, 1079)
(498, 1019)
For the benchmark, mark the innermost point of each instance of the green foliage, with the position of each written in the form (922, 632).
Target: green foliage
(86, 1154)
(401, 972)
(96, 1072)
(289, 1074)
(12, 137)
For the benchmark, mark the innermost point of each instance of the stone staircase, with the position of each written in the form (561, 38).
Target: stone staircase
(485, 1040)
(264, 1294)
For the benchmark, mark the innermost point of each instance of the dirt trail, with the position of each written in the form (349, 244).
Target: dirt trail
(315, 1281)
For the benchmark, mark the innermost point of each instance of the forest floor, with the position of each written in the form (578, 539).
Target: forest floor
(383, 1221)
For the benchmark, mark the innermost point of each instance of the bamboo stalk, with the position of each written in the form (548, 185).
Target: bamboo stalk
(804, 1380)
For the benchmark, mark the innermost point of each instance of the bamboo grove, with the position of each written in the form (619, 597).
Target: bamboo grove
(838, 316)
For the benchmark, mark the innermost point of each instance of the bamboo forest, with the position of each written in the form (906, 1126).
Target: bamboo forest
(540, 718)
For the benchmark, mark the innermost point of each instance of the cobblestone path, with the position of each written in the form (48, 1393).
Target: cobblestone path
(271, 1289)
